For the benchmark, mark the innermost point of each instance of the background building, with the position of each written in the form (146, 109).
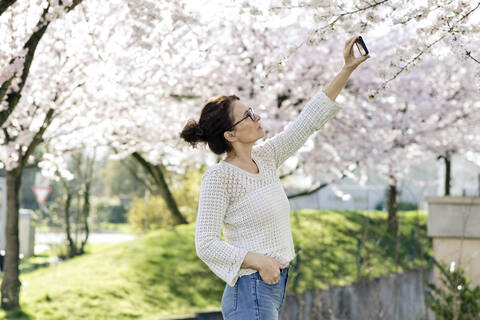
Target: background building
(423, 180)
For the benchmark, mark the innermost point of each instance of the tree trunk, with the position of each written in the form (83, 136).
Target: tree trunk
(448, 167)
(11, 282)
(155, 171)
(10, 289)
(5, 4)
(167, 195)
(447, 157)
(392, 206)
(86, 213)
(10, 297)
(72, 249)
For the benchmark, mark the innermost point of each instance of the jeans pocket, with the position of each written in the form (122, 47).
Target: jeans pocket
(229, 299)
(284, 289)
(271, 284)
(259, 277)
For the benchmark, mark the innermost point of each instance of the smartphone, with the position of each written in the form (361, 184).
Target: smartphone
(362, 48)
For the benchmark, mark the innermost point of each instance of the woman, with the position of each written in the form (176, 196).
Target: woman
(243, 194)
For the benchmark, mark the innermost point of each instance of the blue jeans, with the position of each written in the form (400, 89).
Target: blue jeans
(253, 299)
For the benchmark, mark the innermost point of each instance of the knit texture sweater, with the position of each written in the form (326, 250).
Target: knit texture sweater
(253, 209)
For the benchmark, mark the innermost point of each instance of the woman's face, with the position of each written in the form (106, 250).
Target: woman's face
(247, 130)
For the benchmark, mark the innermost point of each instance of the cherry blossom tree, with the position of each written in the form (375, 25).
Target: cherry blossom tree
(268, 64)
(436, 23)
(174, 86)
(128, 74)
(224, 55)
(425, 114)
(34, 92)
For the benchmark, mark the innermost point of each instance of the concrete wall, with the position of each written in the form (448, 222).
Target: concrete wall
(391, 297)
(454, 225)
(464, 252)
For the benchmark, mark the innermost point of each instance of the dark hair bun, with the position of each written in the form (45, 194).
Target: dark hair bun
(192, 133)
(214, 120)
(199, 132)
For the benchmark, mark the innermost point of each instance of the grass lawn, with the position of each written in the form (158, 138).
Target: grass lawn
(159, 275)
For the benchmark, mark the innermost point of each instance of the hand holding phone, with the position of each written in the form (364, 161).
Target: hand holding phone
(352, 62)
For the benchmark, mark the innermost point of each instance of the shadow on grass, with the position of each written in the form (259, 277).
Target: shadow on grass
(17, 314)
(30, 267)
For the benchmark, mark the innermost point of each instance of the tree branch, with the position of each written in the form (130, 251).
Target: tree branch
(144, 163)
(135, 175)
(307, 192)
(283, 176)
(38, 138)
(427, 47)
(30, 46)
(7, 136)
(4, 4)
(311, 191)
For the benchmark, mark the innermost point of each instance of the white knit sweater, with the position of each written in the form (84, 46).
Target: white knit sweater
(253, 208)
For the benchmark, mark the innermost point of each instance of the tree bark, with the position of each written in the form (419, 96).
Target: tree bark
(447, 157)
(72, 249)
(89, 169)
(85, 214)
(11, 282)
(448, 167)
(155, 171)
(82, 196)
(4, 4)
(392, 205)
(71, 244)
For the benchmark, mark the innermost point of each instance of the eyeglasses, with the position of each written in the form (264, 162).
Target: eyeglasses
(250, 114)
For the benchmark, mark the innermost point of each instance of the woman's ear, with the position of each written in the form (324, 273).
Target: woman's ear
(230, 136)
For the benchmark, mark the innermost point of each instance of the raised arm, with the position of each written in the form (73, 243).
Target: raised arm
(321, 108)
(334, 87)
(222, 258)
(314, 115)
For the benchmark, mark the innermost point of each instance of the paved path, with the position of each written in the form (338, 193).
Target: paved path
(43, 240)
